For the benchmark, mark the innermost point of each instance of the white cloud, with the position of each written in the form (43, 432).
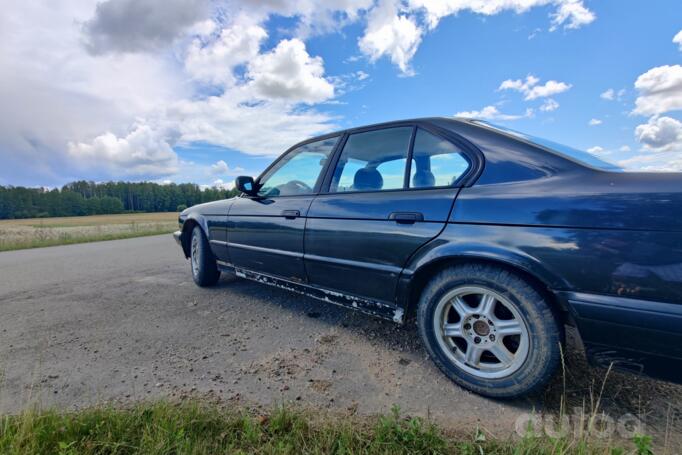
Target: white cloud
(594, 122)
(660, 90)
(571, 14)
(203, 28)
(314, 17)
(390, 33)
(519, 85)
(143, 151)
(661, 134)
(534, 33)
(202, 174)
(257, 128)
(219, 167)
(531, 90)
(57, 93)
(597, 150)
(288, 72)
(213, 61)
(677, 39)
(625, 149)
(221, 185)
(549, 105)
(69, 113)
(612, 95)
(550, 88)
(196, 70)
(395, 27)
(361, 75)
(654, 162)
(492, 113)
(609, 95)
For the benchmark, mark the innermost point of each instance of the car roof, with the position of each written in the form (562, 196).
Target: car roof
(393, 123)
(466, 126)
(382, 158)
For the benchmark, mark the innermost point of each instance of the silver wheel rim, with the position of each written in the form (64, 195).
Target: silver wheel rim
(195, 255)
(481, 332)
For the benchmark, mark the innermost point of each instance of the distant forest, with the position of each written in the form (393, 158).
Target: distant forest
(89, 198)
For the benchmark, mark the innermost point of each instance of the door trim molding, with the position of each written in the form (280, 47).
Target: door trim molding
(348, 262)
(261, 249)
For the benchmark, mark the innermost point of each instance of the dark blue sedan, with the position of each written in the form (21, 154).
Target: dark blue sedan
(492, 239)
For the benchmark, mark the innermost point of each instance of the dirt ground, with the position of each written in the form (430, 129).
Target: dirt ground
(122, 320)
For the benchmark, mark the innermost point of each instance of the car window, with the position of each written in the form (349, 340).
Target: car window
(581, 156)
(436, 161)
(298, 171)
(373, 161)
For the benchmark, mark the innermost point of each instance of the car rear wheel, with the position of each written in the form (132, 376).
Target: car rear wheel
(204, 267)
(489, 330)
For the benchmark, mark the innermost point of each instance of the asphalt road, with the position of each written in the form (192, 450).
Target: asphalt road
(122, 320)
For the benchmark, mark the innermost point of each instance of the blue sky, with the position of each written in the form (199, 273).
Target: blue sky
(214, 89)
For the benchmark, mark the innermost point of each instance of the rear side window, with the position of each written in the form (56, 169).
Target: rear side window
(373, 161)
(436, 162)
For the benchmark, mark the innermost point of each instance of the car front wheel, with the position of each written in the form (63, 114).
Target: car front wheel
(489, 330)
(204, 267)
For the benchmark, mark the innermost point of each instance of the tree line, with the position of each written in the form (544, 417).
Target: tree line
(90, 198)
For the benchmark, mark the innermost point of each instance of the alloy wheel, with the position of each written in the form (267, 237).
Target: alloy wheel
(481, 332)
(195, 255)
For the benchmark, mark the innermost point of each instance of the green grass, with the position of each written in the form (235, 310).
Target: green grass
(199, 428)
(36, 233)
(69, 239)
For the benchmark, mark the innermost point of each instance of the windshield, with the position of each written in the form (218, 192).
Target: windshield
(569, 152)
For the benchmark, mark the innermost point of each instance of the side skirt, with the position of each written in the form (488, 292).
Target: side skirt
(374, 308)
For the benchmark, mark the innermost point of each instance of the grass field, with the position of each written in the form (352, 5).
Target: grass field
(40, 232)
(199, 428)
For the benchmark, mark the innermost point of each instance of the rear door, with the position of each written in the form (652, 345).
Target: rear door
(265, 233)
(391, 191)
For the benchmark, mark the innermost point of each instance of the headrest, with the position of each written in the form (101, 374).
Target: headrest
(367, 178)
(423, 179)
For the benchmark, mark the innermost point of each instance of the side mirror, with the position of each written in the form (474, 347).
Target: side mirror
(246, 185)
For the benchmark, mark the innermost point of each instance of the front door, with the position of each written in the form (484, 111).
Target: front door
(265, 233)
(379, 210)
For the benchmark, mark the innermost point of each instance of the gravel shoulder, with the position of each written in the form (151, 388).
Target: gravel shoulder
(122, 320)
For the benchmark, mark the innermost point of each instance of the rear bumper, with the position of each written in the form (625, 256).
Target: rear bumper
(639, 336)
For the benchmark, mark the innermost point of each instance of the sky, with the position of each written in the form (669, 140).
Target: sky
(204, 90)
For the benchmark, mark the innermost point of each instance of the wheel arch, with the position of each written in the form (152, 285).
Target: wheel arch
(532, 271)
(187, 228)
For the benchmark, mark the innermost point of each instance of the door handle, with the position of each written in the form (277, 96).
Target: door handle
(290, 214)
(406, 217)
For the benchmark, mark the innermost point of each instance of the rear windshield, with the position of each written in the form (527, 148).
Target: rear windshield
(569, 152)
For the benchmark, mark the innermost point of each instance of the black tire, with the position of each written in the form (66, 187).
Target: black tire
(536, 363)
(202, 262)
